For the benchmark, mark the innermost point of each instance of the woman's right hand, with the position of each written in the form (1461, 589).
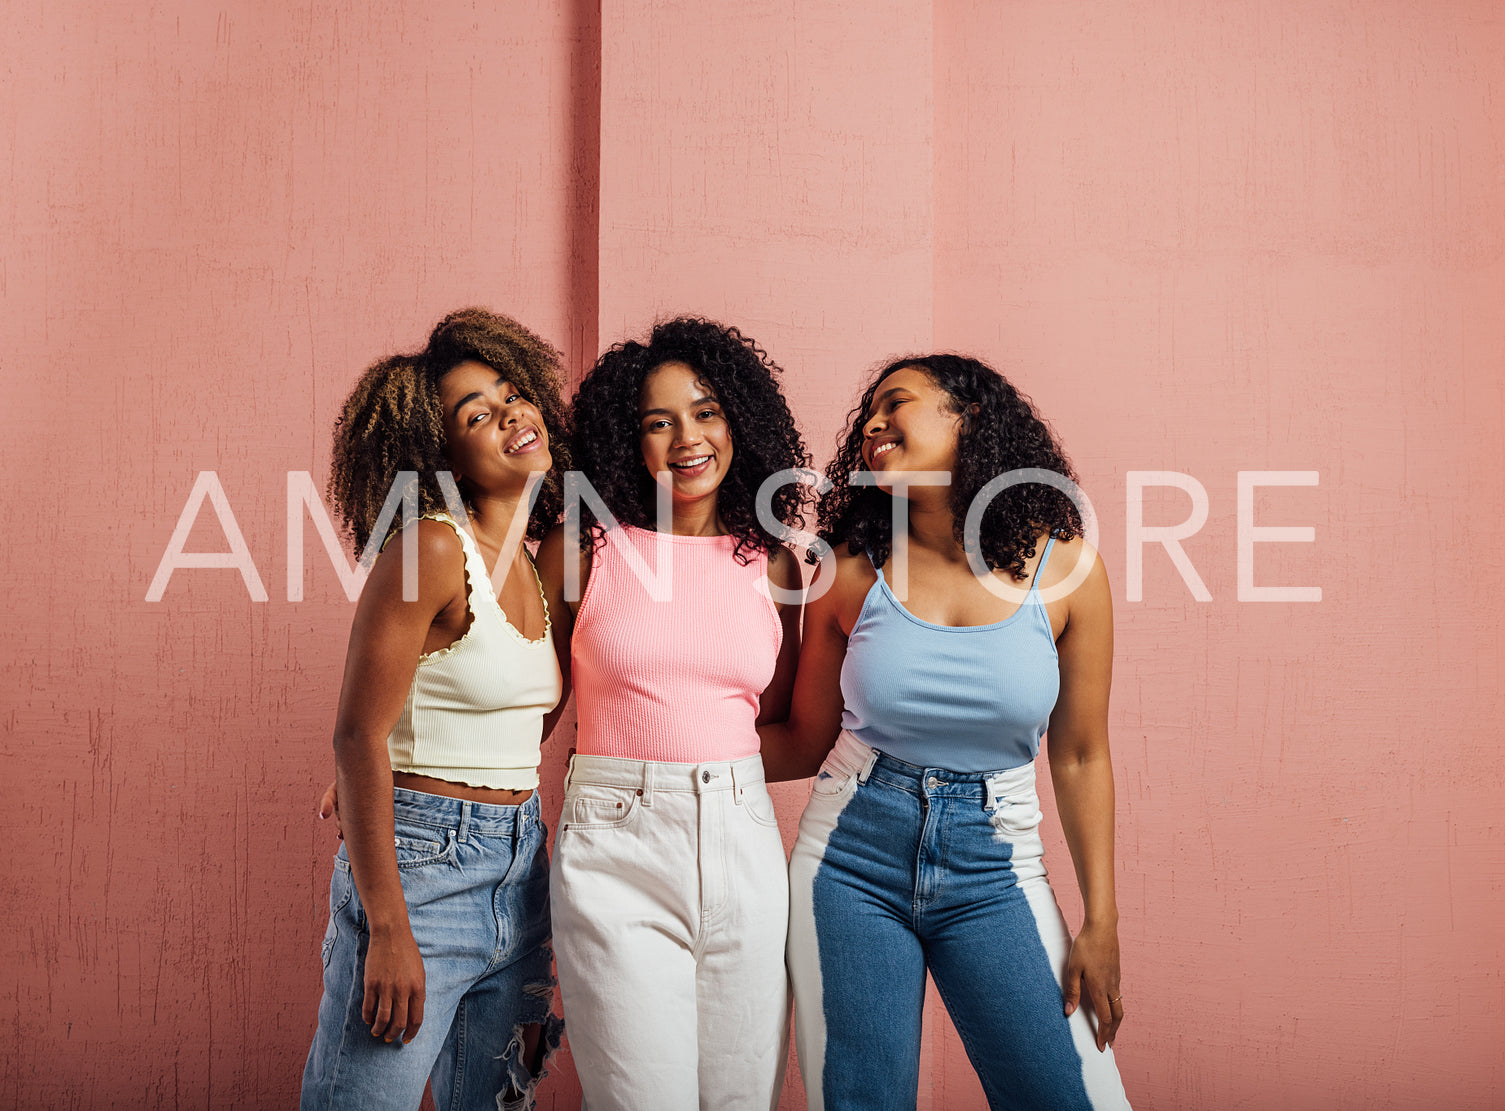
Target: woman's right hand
(393, 1004)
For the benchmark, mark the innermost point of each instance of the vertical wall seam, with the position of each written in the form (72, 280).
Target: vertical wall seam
(584, 230)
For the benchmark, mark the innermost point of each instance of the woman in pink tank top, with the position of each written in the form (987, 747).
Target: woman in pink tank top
(669, 887)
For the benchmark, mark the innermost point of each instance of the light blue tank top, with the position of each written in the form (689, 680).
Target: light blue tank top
(972, 699)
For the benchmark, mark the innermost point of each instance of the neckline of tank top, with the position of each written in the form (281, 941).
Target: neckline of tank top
(677, 538)
(473, 550)
(1031, 601)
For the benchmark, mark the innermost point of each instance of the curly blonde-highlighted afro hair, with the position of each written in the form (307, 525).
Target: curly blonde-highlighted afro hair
(393, 422)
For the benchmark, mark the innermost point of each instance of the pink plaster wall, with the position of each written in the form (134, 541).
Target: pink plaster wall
(1213, 238)
(769, 164)
(213, 218)
(1206, 238)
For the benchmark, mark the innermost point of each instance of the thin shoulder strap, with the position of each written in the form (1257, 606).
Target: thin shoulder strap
(468, 544)
(476, 575)
(1034, 585)
(548, 622)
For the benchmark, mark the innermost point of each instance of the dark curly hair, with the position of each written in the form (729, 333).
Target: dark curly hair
(1004, 433)
(744, 380)
(392, 421)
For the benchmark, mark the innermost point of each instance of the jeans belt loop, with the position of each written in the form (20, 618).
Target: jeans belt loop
(647, 783)
(737, 788)
(867, 766)
(992, 795)
(464, 820)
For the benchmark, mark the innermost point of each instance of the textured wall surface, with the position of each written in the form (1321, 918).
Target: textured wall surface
(1206, 238)
(1220, 238)
(213, 219)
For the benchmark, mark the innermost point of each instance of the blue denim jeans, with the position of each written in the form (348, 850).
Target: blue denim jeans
(898, 869)
(476, 879)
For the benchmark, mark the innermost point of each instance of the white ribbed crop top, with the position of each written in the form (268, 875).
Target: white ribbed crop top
(475, 711)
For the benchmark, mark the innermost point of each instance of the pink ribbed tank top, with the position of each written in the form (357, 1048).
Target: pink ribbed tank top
(678, 678)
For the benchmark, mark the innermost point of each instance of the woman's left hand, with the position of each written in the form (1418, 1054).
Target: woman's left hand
(1092, 970)
(329, 806)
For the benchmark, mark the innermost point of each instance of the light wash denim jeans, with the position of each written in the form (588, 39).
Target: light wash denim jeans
(670, 915)
(476, 879)
(898, 869)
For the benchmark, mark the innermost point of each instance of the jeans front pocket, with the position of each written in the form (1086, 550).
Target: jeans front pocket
(416, 845)
(832, 780)
(593, 806)
(1016, 815)
(759, 806)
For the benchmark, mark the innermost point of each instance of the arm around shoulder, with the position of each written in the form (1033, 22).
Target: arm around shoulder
(795, 748)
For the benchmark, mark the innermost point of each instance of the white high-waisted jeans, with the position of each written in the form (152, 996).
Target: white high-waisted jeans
(671, 903)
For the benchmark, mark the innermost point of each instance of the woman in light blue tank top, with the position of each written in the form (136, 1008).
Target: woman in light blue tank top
(919, 848)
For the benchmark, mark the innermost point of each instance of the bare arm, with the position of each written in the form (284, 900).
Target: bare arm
(552, 554)
(784, 572)
(1082, 772)
(794, 749)
(386, 639)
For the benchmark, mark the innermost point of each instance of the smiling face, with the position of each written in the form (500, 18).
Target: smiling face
(910, 425)
(494, 438)
(682, 430)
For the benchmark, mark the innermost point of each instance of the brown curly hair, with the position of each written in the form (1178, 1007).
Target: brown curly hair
(1000, 431)
(392, 421)
(746, 383)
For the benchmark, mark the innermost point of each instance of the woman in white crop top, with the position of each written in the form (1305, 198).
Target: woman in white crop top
(437, 955)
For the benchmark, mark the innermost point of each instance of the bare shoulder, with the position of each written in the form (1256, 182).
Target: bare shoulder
(439, 547)
(1075, 586)
(784, 568)
(553, 550)
(551, 547)
(558, 562)
(851, 580)
(854, 570)
(1065, 559)
(440, 562)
